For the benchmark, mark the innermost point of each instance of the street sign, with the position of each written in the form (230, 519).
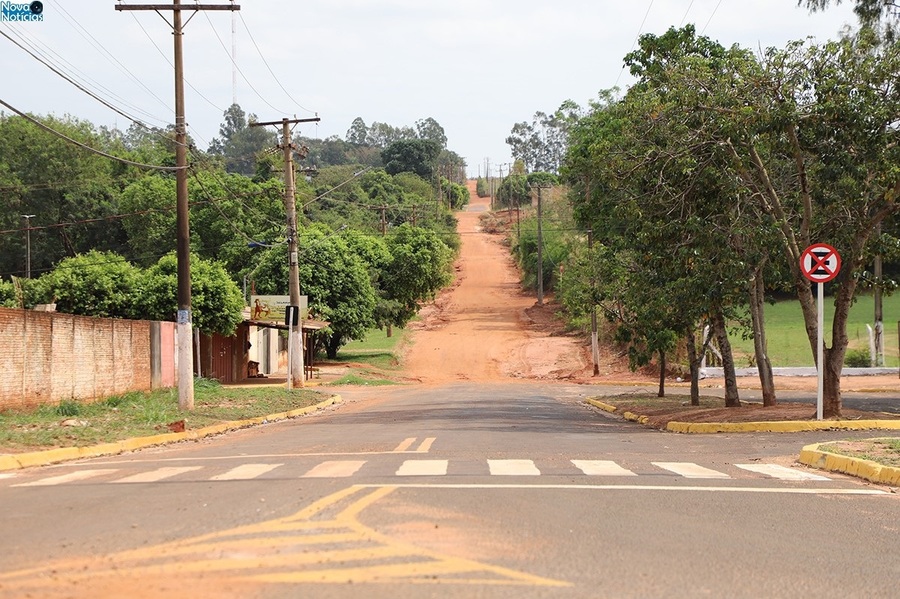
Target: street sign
(820, 263)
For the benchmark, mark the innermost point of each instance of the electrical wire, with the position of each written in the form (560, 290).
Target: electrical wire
(90, 93)
(35, 52)
(89, 148)
(684, 18)
(244, 77)
(169, 61)
(265, 62)
(711, 17)
(109, 55)
(636, 38)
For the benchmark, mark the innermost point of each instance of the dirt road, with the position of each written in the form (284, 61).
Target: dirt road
(485, 328)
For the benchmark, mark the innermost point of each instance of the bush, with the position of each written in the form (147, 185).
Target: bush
(857, 358)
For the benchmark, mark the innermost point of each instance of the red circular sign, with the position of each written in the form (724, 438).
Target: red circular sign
(820, 263)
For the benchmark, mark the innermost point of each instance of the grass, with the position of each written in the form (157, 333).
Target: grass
(141, 414)
(789, 345)
(883, 451)
(377, 349)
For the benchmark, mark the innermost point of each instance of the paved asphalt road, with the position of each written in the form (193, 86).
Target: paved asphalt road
(513, 490)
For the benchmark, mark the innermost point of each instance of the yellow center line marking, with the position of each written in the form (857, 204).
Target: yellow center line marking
(426, 445)
(406, 444)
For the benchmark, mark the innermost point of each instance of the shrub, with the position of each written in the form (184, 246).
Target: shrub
(857, 358)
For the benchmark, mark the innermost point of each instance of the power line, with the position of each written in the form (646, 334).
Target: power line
(270, 68)
(87, 147)
(244, 77)
(636, 38)
(83, 88)
(711, 17)
(110, 56)
(166, 58)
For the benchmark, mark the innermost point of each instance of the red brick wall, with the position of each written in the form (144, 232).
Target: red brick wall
(49, 357)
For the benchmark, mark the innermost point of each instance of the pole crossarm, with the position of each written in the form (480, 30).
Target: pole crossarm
(283, 121)
(178, 7)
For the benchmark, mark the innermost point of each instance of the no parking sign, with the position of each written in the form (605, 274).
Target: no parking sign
(820, 263)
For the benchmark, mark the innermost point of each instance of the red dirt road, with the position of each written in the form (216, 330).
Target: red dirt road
(485, 328)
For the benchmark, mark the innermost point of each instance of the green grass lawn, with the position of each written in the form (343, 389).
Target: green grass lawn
(789, 345)
(377, 349)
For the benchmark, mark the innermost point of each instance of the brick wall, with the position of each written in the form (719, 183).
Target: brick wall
(49, 357)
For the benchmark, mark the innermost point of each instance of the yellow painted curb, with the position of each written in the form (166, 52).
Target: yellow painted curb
(781, 426)
(635, 417)
(811, 455)
(603, 406)
(30, 459)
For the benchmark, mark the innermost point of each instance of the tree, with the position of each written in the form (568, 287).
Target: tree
(871, 13)
(336, 281)
(67, 187)
(432, 130)
(414, 155)
(217, 303)
(357, 132)
(419, 267)
(238, 143)
(100, 284)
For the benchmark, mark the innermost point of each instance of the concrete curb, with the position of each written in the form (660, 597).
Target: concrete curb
(603, 406)
(65, 454)
(784, 426)
(811, 455)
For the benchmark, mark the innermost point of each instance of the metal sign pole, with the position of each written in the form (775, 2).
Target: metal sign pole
(820, 353)
(290, 361)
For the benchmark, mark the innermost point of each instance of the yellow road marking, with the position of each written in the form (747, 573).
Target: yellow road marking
(322, 543)
(426, 445)
(406, 444)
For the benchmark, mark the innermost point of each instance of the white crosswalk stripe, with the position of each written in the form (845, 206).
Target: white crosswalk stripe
(157, 475)
(66, 478)
(246, 472)
(781, 472)
(690, 470)
(602, 468)
(335, 469)
(423, 467)
(513, 468)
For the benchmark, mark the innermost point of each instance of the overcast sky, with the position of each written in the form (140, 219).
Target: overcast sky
(477, 67)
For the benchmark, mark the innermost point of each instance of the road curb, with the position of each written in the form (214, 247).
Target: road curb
(603, 406)
(812, 456)
(64, 454)
(784, 426)
(781, 426)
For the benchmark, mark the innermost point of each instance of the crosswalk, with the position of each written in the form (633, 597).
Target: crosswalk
(362, 468)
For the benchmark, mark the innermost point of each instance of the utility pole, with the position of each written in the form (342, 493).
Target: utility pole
(297, 376)
(28, 218)
(183, 250)
(879, 313)
(540, 245)
(595, 341)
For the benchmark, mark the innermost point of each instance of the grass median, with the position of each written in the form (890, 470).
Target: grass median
(119, 417)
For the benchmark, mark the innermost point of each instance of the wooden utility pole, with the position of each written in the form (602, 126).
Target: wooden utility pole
(540, 244)
(183, 247)
(297, 376)
(595, 340)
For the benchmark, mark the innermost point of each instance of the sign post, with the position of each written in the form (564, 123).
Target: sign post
(291, 319)
(820, 263)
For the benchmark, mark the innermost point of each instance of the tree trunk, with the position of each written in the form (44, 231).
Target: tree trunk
(732, 399)
(757, 316)
(662, 374)
(332, 346)
(694, 365)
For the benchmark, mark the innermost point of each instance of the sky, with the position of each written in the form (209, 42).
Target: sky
(477, 67)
